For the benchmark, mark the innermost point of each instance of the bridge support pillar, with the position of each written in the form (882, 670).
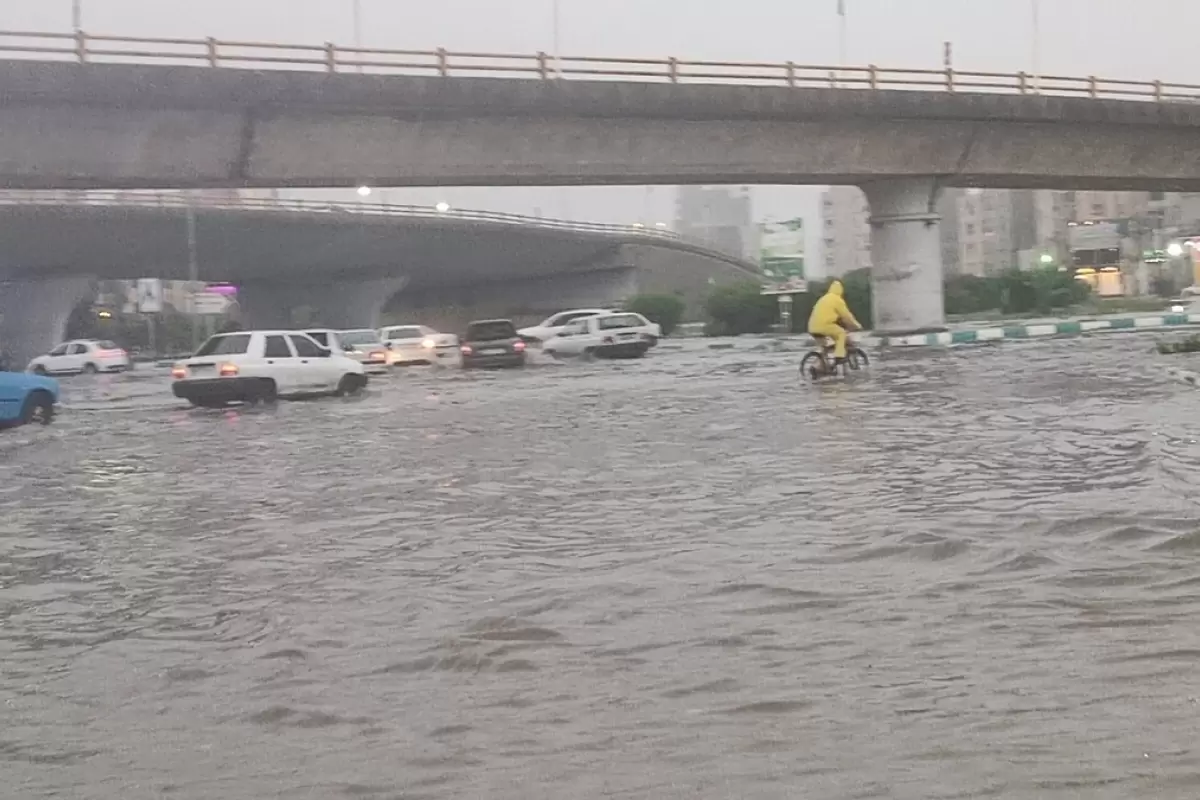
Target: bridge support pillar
(34, 314)
(906, 256)
(336, 304)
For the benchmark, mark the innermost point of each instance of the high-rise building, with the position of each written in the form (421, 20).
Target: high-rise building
(717, 217)
(845, 231)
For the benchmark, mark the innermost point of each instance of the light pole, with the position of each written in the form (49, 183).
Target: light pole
(1036, 45)
(77, 15)
(358, 32)
(841, 9)
(555, 18)
(193, 272)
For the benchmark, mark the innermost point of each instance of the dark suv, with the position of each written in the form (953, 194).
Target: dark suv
(492, 343)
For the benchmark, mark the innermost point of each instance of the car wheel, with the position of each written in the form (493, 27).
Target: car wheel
(652, 341)
(89, 369)
(351, 385)
(39, 370)
(267, 393)
(589, 354)
(38, 409)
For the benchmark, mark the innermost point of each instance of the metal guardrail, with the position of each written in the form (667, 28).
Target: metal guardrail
(179, 200)
(87, 48)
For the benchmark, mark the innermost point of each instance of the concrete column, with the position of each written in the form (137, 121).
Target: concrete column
(906, 256)
(340, 303)
(34, 313)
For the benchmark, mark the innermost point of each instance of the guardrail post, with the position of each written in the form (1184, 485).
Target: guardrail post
(330, 57)
(1092, 92)
(791, 74)
(211, 44)
(673, 69)
(443, 62)
(1158, 92)
(872, 76)
(949, 79)
(833, 79)
(543, 67)
(1022, 82)
(81, 46)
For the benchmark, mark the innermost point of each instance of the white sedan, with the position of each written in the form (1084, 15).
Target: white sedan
(86, 356)
(553, 325)
(418, 344)
(606, 335)
(362, 345)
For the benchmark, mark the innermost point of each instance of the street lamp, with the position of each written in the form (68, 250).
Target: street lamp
(364, 191)
(442, 207)
(77, 15)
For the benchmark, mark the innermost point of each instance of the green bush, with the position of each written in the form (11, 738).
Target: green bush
(664, 309)
(739, 308)
(1190, 344)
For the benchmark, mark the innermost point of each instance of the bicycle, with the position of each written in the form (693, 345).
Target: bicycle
(818, 362)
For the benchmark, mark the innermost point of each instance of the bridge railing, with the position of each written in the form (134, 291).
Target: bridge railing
(84, 47)
(182, 200)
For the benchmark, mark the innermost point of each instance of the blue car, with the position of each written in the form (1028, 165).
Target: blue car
(26, 399)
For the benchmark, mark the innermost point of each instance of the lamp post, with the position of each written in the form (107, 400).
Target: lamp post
(1036, 45)
(555, 20)
(77, 15)
(358, 32)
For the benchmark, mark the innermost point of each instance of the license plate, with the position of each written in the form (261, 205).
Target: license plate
(493, 351)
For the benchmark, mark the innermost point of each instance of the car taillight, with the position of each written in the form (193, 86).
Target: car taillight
(518, 346)
(111, 353)
(178, 373)
(229, 370)
(466, 350)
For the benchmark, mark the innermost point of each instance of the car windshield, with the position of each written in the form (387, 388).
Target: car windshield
(618, 321)
(403, 333)
(490, 331)
(359, 337)
(227, 345)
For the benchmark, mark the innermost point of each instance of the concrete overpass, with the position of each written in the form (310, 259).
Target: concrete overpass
(630, 121)
(344, 262)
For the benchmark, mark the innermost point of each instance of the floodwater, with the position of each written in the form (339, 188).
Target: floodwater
(966, 574)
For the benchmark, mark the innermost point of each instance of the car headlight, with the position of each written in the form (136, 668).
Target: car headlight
(428, 344)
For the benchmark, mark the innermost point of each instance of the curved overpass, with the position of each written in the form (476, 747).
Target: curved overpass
(344, 262)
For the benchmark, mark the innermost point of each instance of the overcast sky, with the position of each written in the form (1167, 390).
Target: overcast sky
(1146, 39)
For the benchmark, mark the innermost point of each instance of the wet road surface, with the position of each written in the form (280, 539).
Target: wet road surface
(967, 574)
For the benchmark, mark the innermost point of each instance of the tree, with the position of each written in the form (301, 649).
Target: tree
(739, 308)
(664, 309)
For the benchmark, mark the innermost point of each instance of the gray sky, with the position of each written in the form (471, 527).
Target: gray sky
(1109, 38)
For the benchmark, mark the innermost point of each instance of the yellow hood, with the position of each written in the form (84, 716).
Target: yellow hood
(837, 289)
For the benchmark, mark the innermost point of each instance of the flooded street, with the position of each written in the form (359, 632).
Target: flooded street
(967, 574)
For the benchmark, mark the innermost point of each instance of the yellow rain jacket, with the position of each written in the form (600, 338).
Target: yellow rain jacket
(828, 314)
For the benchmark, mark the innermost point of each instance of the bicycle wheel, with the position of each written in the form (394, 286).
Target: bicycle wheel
(811, 366)
(857, 359)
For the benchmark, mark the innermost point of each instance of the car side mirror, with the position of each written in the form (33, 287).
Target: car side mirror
(349, 348)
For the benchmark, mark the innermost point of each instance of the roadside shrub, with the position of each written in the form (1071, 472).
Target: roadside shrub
(664, 309)
(738, 308)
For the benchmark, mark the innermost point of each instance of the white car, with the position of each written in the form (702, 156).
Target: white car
(259, 366)
(417, 344)
(551, 326)
(362, 345)
(81, 356)
(608, 335)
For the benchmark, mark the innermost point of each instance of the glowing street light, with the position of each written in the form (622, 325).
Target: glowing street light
(1046, 258)
(442, 207)
(1174, 249)
(364, 191)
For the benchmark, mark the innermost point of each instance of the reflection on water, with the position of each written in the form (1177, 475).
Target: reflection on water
(968, 574)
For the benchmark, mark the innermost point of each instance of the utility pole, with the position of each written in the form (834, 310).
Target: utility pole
(77, 15)
(842, 46)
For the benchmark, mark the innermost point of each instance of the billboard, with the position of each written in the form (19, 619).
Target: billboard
(782, 256)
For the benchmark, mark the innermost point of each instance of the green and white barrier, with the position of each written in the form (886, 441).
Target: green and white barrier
(1046, 330)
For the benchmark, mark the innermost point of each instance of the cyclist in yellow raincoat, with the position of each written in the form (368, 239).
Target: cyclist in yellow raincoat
(830, 317)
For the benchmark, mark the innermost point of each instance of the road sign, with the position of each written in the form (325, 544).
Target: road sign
(782, 258)
(149, 295)
(209, 304)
